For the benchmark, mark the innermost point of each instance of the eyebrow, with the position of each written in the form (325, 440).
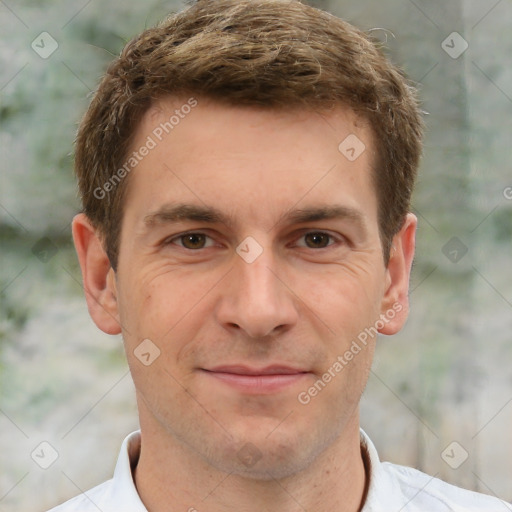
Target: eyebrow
(196, 213)
(335, 212)
(186, 212)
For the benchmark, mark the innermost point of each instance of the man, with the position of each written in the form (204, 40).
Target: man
(246, 171)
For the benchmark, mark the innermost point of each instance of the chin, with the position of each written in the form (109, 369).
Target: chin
(274, 457)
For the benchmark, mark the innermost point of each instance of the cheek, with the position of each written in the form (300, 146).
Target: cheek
(341, 297)
(151, 302)
(167, 310)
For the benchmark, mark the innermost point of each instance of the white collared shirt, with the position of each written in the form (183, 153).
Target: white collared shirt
(392, 488)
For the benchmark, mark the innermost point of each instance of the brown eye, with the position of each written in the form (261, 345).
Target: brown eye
(317, 240)
(193, 240)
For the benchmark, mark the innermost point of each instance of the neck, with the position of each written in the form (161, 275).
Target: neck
(171, 474)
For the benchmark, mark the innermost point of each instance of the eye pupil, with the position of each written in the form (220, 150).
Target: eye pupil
(193, 241)
(317, 240)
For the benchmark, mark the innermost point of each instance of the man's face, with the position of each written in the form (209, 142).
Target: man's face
(250, 244)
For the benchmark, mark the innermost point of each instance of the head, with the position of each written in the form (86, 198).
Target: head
(229, 121)
(274, 55)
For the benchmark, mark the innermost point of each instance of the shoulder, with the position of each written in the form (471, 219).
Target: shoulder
(89, 501)
(426, 492)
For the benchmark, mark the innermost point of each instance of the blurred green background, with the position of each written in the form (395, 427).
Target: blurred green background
(445, 378)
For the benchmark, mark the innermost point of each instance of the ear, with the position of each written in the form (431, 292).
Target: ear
(97, 274)
(395, 303)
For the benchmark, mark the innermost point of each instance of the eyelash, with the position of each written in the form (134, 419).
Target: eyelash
(333, 239)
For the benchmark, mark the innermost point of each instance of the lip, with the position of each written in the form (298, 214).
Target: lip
(269, 379)
(240, 369)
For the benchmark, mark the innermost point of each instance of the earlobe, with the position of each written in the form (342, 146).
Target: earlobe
(395, 302)
(97, 274)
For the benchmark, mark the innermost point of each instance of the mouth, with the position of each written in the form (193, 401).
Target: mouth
(267, 380)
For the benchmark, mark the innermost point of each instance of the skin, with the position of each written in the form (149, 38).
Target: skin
(300, 303)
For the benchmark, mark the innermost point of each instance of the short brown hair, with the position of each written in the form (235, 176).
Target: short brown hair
(266, 53)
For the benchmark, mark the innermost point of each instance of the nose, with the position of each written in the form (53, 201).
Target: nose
(256, 298)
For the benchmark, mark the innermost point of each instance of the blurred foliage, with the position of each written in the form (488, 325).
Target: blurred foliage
(442, 357)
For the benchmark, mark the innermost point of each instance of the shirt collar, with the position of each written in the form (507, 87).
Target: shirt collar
(124, 492)
(384, 493)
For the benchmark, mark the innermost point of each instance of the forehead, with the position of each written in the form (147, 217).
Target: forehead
(251, 158)
(169, 115)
